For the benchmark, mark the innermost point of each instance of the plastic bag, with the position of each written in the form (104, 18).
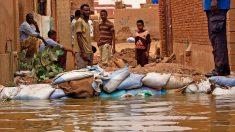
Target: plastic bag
(131, 40)
(154, 92)
(115, 94)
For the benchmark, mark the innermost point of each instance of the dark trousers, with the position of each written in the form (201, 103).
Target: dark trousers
(218, 38)
(141, 57)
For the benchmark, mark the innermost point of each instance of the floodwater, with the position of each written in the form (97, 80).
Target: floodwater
(162, 113)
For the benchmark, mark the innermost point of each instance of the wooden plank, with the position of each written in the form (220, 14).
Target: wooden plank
(64, 28)
(16, 26)
(4, 69)
(9, 24)
(6, 23)
(9, 39)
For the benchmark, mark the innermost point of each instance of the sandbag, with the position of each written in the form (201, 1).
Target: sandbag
(1, 87)
(204, 86)
(131, 82)
(221, 91)
(34, 92)
(79, 88)
(116, 79)
(9, 92)
(176, 82)
(72, 75)
(224, 81)
(115, 94)
(156, 80)
(57, 94)
(192, 88)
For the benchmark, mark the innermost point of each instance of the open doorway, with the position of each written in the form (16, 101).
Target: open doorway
(41, 7)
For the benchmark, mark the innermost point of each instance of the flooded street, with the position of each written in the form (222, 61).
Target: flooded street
(164, 113)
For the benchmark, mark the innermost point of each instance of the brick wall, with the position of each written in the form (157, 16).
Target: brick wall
(189, 26)
(125, 22)
(109, 8)
(75, 4)
(231, 34)
(162, 27)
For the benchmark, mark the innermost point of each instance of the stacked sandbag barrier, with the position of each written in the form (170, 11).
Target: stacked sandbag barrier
(94, 81)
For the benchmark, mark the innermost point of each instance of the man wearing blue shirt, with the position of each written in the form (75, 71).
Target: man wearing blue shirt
(216, 11)
(51, 42)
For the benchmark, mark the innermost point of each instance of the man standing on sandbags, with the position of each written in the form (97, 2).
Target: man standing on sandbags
(106, 42)
(82, 41)
(29, 36)
(216, 11)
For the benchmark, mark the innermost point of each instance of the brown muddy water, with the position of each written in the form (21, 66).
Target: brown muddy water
(164, 113)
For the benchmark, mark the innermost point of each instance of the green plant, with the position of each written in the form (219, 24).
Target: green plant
(24, 63)
(43, 64)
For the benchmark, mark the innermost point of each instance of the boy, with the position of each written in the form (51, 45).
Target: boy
(106, 42)
(142, 44)
(52, 42)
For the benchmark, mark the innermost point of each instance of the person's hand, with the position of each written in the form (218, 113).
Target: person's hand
(35, 23)
(40, 37)
(214, 6)
(147, 54)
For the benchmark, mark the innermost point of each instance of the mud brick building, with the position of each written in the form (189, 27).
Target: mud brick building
(13, 14)
(183, 29)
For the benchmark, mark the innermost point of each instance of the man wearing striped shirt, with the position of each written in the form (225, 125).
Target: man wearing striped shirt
(107, 38)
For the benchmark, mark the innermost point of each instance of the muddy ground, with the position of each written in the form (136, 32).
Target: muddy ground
(126, 52)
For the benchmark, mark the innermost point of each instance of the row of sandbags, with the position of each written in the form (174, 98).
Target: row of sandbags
(27, 92)
(218, 85)
(122, 83)
(222, 85)
(122, 80)
(94, 80)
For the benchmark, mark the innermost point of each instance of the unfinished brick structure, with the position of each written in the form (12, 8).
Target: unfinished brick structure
(188, 23)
